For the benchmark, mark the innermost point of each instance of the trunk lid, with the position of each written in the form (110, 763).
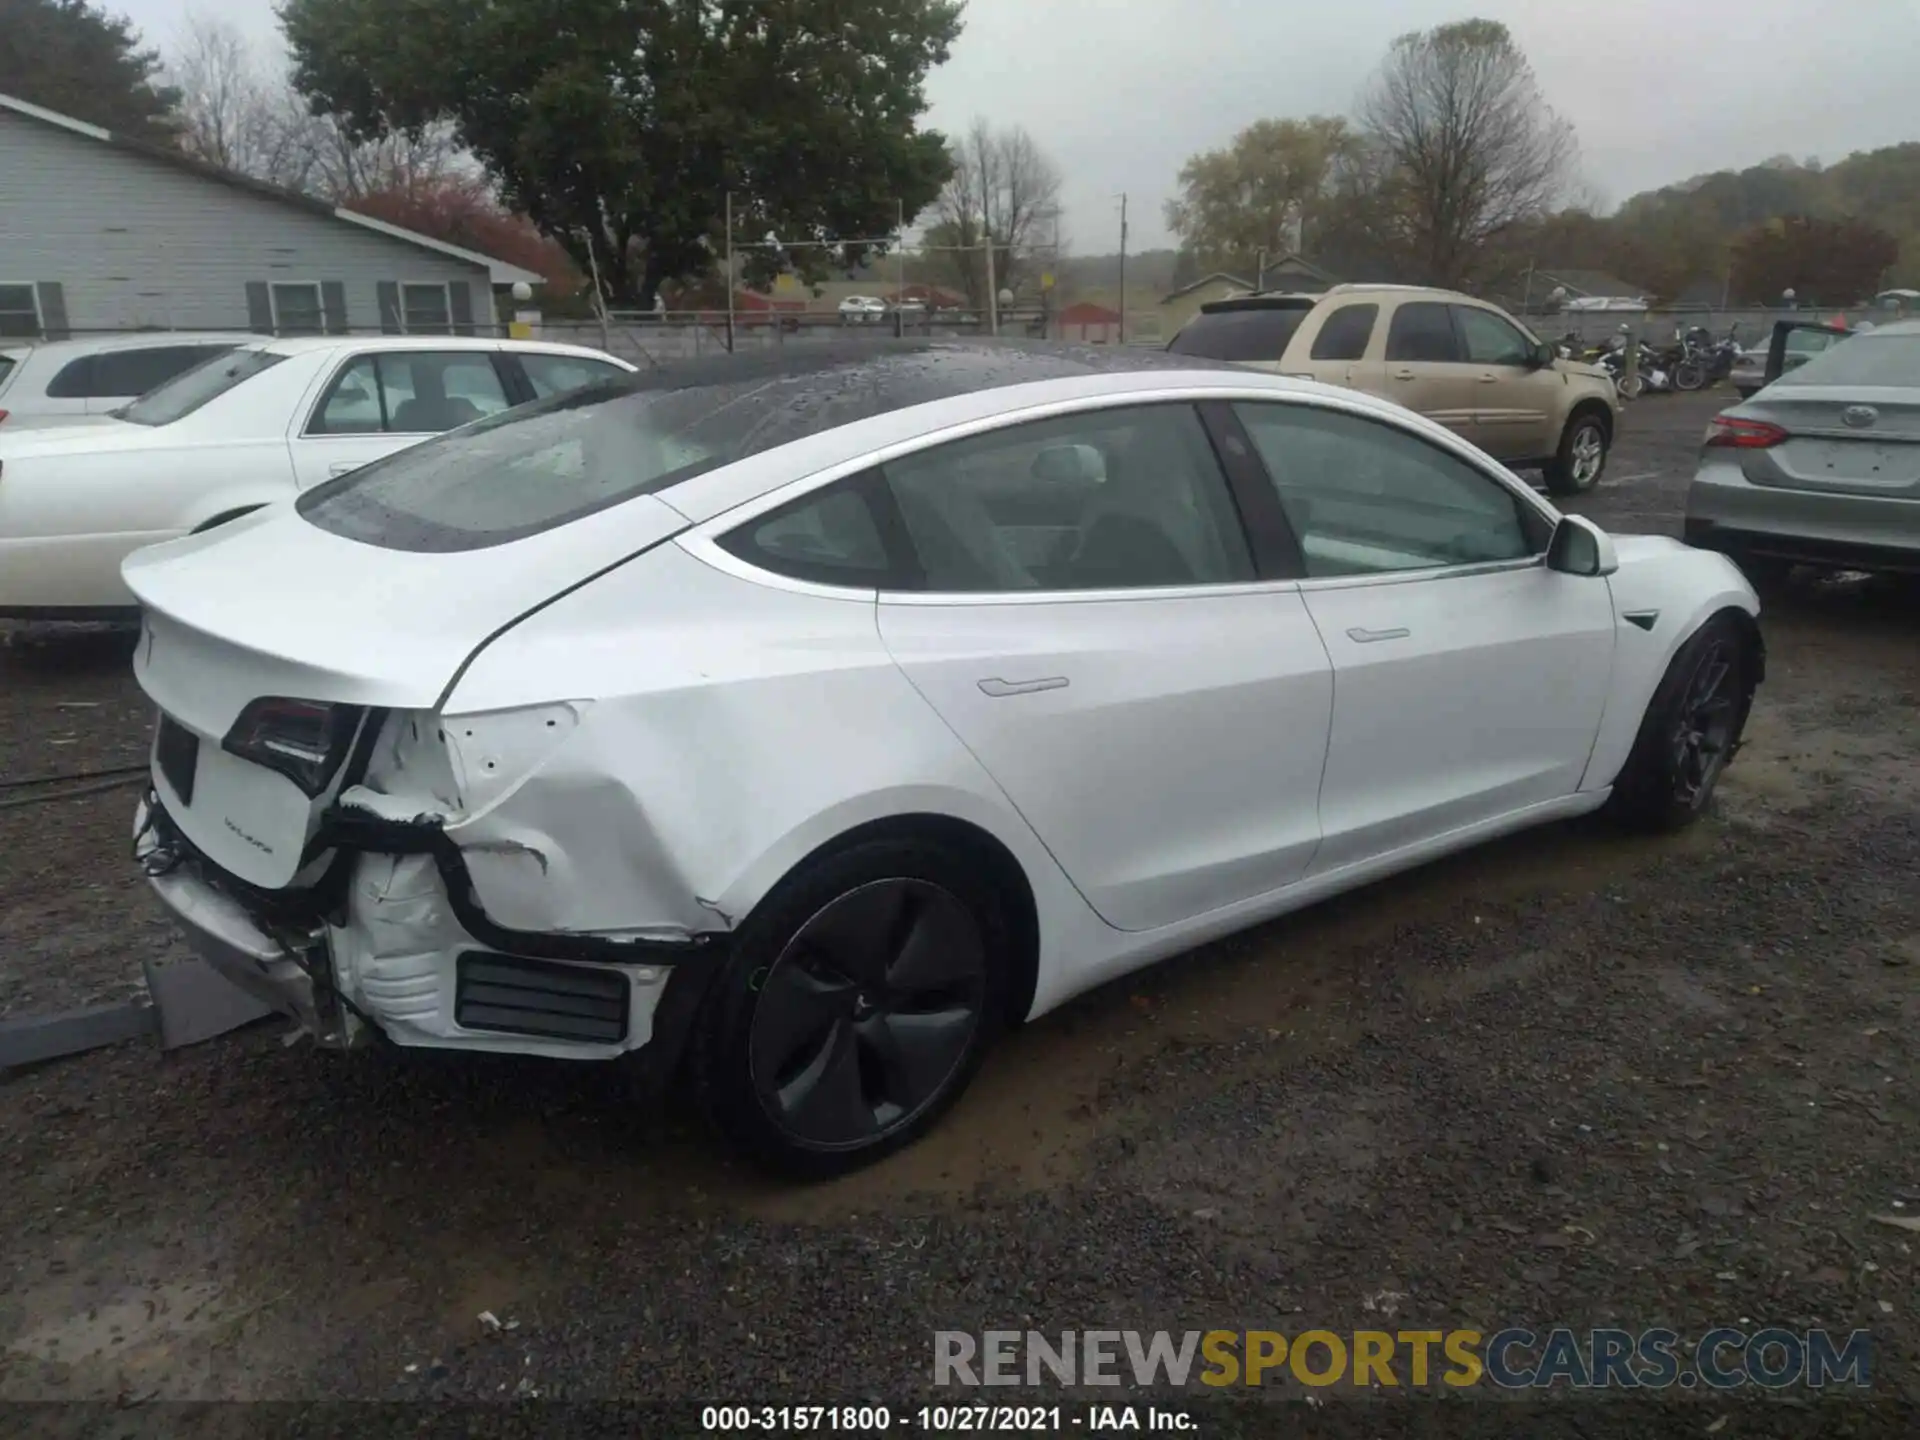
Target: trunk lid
(271, 606)
(1856, 441)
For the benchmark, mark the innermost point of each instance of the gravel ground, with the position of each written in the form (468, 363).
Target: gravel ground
(1569, 1079)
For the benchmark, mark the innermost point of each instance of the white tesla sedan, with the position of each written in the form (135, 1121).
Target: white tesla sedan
(811, 717)
(257, 422)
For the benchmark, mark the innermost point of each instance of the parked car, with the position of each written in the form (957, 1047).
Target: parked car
(811, 716)
(1805, 341)
(1458, 361)
(1821, 467)
(263, 420)
(68, 382)
(862, 309)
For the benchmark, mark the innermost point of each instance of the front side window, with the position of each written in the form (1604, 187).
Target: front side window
(1422, 333)
(19, 313)
(1363, 497)
(1105, 499)
(1489, 339)
(297, 309)
(426, 310)
(207, 381)
(404, 393)
(1346, 332)
(557, 374)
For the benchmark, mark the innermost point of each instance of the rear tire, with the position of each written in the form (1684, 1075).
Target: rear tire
(1689, 733)
(854, 1007)
(1689, 376)
(1582, 457)
(1629, 386)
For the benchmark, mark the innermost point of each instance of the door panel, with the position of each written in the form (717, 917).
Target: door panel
(1458, 698)
(1513, 400)
(1167, 751)
(1424, 366)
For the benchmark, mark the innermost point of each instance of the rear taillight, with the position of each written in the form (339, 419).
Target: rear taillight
(305, 740)
(3, 416)
(1730, 432)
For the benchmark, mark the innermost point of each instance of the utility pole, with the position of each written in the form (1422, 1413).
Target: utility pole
(729, 272)
(1123, 268)
(899, 267)
(993, 294)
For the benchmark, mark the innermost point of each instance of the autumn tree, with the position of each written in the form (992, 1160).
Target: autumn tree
(461, 210)
(1274, 183)
(70, 57)
(1471, 149)
(1003, 185)
(1824, 262)
(620, 126)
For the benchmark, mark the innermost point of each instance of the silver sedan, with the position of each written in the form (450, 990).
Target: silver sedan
(1823, 466)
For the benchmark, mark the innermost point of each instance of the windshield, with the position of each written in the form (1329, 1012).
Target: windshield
(1864, 360)
(548, 463)
(191, 389)
(1257, 332)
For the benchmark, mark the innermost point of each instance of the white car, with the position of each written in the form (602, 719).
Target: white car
(73, 382)
(862, 309)
(258, 423)
(812, 716)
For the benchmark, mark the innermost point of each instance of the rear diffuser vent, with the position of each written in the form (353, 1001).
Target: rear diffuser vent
(511, 996)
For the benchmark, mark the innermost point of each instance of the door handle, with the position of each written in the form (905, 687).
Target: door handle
(1404, 375)
(1361, 636)
(1489, 379)
(341, 467)
(1000, 688)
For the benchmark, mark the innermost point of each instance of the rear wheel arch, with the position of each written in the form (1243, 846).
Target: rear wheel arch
(997, 863)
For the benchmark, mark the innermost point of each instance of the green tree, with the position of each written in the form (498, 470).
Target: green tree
(1470, 150)
(68, 56)
(1274, 187)
(619, 126)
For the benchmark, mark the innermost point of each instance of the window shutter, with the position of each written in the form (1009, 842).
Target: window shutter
(333, 305)
(259, 307)
(389, 307)
(460, 306)
(53, 311)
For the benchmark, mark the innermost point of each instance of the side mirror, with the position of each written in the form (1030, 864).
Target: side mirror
(1580, 547)
(1544, 355)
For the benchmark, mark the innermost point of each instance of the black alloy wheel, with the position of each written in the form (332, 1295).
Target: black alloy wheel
(1704, 726)
(867, 1014)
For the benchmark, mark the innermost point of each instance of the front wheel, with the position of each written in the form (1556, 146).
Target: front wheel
(1691, 729)
(1581, 459)
(854, 1007)
(1689, 376)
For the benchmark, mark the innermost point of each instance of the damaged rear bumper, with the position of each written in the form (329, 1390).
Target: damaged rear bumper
(394, 939)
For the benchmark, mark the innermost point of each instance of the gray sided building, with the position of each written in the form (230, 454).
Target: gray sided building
(100, 234)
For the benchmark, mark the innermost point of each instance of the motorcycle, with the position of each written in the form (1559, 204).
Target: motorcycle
(1707, 361)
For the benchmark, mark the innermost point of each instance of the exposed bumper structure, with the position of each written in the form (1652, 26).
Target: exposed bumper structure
(393, 940)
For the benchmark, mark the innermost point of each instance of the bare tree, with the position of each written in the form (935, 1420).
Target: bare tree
(237, 113)
(1472, 149)
(1004, 186)
(224, 114)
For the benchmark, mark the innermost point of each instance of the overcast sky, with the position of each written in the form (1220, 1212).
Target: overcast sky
(1121, 92)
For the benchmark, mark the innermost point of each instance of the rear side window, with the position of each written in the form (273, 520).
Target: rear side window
(123, 374)
(557, 374)
(1422, 331)
(1346, 333)
(831, 537)
(405, 393)
(1858, 360)
(1258, 332)
(206, 382)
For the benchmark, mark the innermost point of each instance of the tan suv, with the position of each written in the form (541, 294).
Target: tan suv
(1460, 361)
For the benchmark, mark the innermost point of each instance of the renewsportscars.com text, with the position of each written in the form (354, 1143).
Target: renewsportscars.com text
(1517, 1358)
